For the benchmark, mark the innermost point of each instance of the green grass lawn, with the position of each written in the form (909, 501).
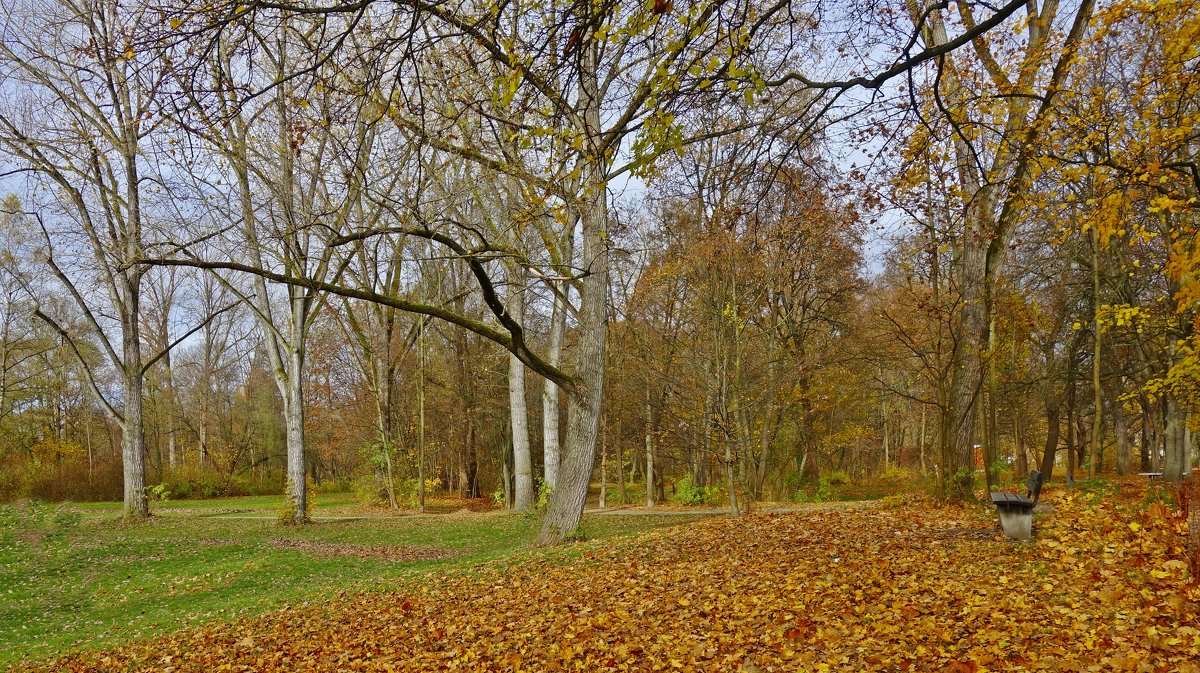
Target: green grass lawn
(85, 578)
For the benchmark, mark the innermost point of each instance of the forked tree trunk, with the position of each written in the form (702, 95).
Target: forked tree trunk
(583, 410)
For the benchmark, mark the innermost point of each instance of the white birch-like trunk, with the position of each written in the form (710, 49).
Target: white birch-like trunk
(649, 452)
(551, 449)
(517, 406)
(293, 417)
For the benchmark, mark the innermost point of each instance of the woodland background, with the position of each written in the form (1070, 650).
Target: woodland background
(713, 253)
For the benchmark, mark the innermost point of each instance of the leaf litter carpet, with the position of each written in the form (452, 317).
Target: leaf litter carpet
(1104, 587)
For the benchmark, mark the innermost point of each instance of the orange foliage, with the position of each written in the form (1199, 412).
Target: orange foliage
(1103, 587)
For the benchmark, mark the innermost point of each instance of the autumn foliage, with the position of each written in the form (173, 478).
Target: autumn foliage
(902, 588)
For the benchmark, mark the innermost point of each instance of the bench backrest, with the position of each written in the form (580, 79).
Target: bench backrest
(1034, 485)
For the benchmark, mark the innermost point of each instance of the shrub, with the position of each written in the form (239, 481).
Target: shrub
(159, 492)
(836, 478)
(369, 492)
(821, 493)
(543, 494)
(688, 494)
(407, 494)
(897, 475)
(286, 514)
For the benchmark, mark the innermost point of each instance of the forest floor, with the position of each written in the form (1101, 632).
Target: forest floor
(903, 587)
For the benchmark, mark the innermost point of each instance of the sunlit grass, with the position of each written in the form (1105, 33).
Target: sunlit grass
(89, 578)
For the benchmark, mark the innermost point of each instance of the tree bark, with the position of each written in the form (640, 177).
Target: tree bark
(551, 408)
(649, 450)
(1173, 465)
(293, 412)
(133, 449)
(517, 406)
(1097, 397)
(583, 410)
(1053, 427)
(1122, 432)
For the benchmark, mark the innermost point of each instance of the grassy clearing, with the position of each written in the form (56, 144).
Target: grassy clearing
(902, 586)
(84, 579)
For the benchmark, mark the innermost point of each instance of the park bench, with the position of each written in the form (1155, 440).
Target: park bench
(1016, 510)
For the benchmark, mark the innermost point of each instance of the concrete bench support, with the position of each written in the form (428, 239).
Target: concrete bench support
(1016, 515)
(1016, 511)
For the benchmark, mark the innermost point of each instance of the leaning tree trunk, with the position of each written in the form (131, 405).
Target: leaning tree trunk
(1053, 427)
(583, 411)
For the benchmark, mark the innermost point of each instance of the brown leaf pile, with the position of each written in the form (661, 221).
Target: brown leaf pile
(908, 589)
(397, 553)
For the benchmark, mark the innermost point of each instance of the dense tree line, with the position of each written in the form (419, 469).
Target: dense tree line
(263, 246)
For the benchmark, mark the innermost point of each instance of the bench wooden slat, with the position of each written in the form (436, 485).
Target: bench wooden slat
(1000, 498)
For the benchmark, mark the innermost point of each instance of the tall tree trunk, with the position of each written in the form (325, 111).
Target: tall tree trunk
(583, 410)
(921, 438)
(1146, 430)
(1173, 467)
(133, 449)
(603, 469)
(991, 438)
(517, 406)
(1097, 397)
(967, 376)
(293, 413)
(621, 477)
(730, 481)
(1188, 442)
(1122, 433)
(384, 378)
(1053, 427)
(1071, 454)
(649, 422)
(551, 408)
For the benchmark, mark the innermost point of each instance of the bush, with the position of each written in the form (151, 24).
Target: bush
(286, 514)
(821, 493)
(159, 492)
(369, 492)
(342, 485)
(407, 494)
(836, 478)
(898, 475)
(688, 494)
(543, 494)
